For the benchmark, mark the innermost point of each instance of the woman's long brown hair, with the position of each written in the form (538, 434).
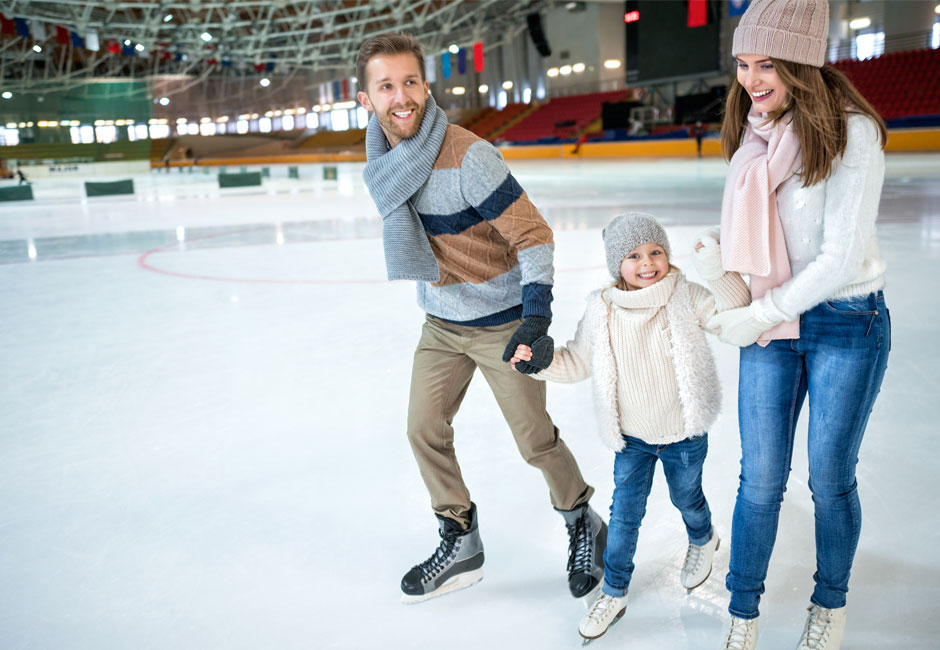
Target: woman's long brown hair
(819, 99)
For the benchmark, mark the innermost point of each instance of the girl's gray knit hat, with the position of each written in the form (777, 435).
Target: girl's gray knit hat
(627, 231)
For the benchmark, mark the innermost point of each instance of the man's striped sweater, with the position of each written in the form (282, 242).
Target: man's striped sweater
(494, 250)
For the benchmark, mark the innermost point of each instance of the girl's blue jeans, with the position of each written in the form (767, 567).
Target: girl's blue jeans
(633, 477)
(839, 362)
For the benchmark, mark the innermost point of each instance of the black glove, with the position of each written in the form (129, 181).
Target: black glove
(534, 333)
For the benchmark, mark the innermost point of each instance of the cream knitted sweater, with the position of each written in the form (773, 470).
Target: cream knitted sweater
(653, 373)
(830, 228)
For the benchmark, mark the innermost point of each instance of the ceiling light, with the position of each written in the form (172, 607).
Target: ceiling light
(936, 9)
(206, 36)
(453, 49)
(507, 85)
(612, 64)
(343, 105)
(181, 120)
(578, 67)
(127, 41)
(36, 48)
(860, 23)
(7, 94)
(205, 120)
(164, 101)
(265, 82)
(168, 18)
(565, 70)
(552, 72)
(459, 90)
(139, 47)
(483, 88)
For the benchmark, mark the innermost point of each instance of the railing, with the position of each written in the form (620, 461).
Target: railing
(896, 43)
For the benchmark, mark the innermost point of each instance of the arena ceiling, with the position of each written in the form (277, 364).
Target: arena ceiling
(58, 45)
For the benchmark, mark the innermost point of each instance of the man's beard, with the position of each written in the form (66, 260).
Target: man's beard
(391, 124)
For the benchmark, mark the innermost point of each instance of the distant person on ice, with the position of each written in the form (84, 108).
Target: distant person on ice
(456, 221)
(21, 176)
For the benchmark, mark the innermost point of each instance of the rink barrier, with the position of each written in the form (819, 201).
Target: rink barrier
(248, 179)
(16, 193)
(110, 188)
(915, 139)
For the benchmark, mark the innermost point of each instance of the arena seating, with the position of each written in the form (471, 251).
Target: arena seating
(490, 125)
(334, 140)
(562, 117)
(898, 84)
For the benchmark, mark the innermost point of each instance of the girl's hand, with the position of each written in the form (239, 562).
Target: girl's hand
(522, 353)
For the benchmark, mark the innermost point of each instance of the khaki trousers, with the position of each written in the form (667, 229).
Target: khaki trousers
(444, 363)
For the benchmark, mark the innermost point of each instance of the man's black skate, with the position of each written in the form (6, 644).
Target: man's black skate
(456, 564)
(587, 539)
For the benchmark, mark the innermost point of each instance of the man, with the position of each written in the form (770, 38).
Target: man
(457, 222)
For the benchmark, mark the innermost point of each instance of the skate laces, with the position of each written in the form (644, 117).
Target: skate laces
(740, 634)
(603, 607)
(694, 558)
(441, 557)
(817, 626)
(580, 546)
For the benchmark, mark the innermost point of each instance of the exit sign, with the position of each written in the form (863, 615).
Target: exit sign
(631, 16)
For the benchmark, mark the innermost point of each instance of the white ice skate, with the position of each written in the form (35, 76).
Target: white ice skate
(605, 611)
(698, 563)
(742, 635)
(823, 629)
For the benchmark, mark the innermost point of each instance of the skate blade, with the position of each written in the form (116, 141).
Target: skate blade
(458, 582)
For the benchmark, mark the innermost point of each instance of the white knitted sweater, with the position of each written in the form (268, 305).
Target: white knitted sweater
(830, 228)
(653, 373)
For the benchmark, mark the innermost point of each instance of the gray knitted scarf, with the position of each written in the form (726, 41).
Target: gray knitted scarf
(393, 176)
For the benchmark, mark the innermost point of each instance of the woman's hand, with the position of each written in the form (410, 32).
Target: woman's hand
(707, 255)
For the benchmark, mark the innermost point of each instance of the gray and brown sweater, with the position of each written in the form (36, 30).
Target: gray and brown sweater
(494, 250)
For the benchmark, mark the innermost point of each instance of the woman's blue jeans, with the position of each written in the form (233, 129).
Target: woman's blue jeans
(633, 477)
(839, 361)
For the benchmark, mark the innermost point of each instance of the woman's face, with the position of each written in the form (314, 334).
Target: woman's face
(757, 76)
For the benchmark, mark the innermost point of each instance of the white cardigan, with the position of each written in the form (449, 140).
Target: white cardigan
(829, 228)
(653, 373)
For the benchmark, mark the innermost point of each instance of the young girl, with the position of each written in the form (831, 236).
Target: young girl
(799, 215)
(656, 391)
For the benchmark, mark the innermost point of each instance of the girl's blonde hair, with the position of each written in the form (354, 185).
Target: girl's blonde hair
(820, 100)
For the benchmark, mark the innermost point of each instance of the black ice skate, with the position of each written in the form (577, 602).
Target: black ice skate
(456, 564)
(587, 539)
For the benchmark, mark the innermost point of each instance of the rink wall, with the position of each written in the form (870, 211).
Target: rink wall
(85, 170)
(927, 139)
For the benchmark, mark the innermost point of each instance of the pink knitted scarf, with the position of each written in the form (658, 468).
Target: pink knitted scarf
(752, 238)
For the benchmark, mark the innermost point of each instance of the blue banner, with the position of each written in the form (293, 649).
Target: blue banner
(737, 7)
(445, 64)
(462, 61)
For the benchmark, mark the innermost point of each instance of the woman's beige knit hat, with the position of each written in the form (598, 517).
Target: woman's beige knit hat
(791, 30)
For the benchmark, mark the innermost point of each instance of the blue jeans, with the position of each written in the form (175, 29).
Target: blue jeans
(633, 478)
(839, 361)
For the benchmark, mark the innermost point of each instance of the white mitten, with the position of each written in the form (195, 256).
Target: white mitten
(740, 327)
(707, 259)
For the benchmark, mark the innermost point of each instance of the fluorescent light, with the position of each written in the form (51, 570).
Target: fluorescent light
(453, 49)
(341, 105)
(565, 70)
(139, 47)
(206, 36)
(483, 88)
(578, 67)
(459, 90)
(164, 101)
(612, 64)
(552, 72)
(860, 23)
(168, 18)
(265, 82)
(7, 95)
(181, 120)
(37, 49)
(936, 9)
(507, 85)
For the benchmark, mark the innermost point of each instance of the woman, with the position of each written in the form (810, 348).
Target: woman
(818, 315)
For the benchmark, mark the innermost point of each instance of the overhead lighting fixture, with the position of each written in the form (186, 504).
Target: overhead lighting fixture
(484, 88)
(612, 64)
(341, 105)
(936, 9)
(565, 70)
(164, 101)
(265, 82)
(37, 49)
(507, 85)
(578, 68)
(453, 49)
(205, 120)
(459, 90)
(139, 47)
(168, 18)
(206, 36)
(552, 72)
(127, 41)
(7, 94)
(860, 23)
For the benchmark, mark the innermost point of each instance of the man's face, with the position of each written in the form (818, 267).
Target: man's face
(396, 92)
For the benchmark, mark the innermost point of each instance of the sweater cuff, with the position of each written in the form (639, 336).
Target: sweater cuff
(537, 300)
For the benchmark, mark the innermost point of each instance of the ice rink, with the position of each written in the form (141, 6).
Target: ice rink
(202, 423)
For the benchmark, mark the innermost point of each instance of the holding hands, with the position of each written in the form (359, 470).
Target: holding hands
(539, 347)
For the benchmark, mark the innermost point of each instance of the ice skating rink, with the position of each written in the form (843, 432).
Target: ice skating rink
(202, 422)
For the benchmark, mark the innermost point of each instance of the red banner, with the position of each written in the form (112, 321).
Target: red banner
(478, 56)
(61, 35)
(698, 13)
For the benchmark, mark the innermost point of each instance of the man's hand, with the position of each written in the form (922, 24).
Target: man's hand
(532, 333)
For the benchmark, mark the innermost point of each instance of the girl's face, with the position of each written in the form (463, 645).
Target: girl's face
(757, 76)
(644, 266)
